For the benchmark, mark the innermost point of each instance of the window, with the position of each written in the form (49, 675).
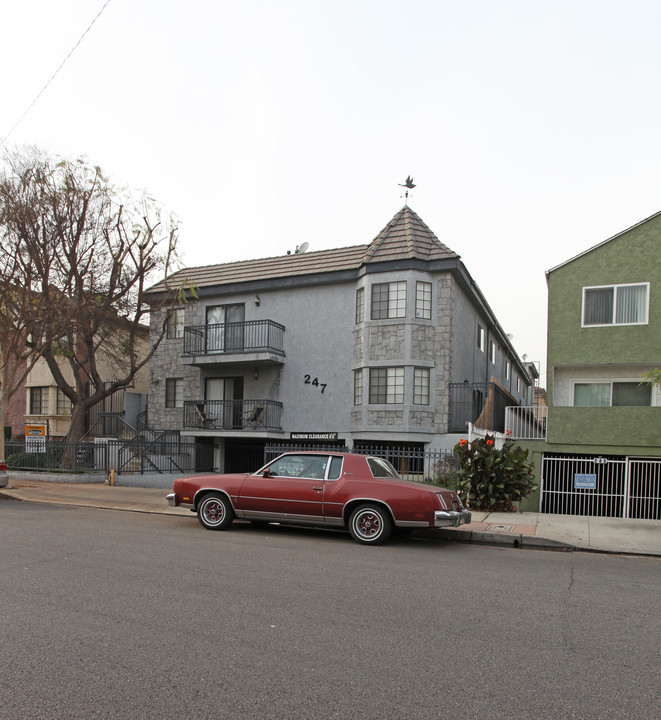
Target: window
(387, 385)
(358, 387)
(423, 300)
(612, 394)
(63, 403)
(360, 305)
(492, 352)
(616, 305)
(174, 392)
(480, 337)
(176, 324)
(389, 300)
(39, 401)
(508, 369)
(421, 386)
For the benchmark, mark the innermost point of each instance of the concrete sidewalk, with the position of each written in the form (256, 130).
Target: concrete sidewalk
(522, 530)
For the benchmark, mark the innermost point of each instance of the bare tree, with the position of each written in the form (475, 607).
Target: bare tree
(88, 251)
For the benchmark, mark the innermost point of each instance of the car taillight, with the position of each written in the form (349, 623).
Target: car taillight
(3, 465)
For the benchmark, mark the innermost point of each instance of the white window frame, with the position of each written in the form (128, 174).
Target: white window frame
(421, 386)
(654, 392)
(615, 295)
(395, 300)
(394, 386)
(175, 328)
(358, 386)
(360, 305)
(423, 300)
(177, 383)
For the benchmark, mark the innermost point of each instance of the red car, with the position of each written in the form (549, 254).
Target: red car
(360, 493)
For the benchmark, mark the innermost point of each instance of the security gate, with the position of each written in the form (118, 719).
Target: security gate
(611, 486)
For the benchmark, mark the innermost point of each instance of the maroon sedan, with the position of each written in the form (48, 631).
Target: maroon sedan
(360, 493)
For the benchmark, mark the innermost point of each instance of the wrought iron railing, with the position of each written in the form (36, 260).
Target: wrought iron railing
(435, 467)
(229, 338)
(123, 456)
(233, 414)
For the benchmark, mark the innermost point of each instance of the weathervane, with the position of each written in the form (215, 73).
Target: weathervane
(409, 185)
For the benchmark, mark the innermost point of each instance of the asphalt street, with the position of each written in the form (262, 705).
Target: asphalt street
(112, 614)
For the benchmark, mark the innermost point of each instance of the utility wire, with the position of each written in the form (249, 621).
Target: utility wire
(52, 77)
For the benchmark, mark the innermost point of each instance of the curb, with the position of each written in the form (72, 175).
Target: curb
(507, 540)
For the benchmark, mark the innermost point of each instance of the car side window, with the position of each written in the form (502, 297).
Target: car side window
(300, 466)
(335, 468)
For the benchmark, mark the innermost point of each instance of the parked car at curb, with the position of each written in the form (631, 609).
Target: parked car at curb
(4, 478)
(360, 493)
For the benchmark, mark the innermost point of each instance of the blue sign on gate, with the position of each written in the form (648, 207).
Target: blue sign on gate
(585, 481)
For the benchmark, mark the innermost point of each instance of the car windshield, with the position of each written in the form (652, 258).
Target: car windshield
(381, 468)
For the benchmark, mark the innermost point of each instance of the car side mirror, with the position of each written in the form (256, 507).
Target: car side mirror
(266, 473)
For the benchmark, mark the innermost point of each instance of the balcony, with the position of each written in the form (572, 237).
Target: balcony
(250, 341)
(234, 415)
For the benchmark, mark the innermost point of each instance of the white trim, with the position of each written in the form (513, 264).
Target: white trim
(615, 286)
(603, 242)
(611, 381)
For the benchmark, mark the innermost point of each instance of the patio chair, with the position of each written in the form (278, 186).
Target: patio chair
(256, 417)
(201, 411)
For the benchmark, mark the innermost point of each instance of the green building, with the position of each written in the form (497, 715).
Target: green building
(602, 449)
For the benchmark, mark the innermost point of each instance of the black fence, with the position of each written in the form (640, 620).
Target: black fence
(162, 455)
(435, 467)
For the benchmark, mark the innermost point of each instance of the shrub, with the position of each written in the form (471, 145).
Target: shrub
(492, 479)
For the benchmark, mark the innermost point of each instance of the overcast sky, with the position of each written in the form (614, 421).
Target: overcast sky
(531, 129)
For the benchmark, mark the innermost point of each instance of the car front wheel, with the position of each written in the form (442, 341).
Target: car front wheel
(215, 512)
(370, 524)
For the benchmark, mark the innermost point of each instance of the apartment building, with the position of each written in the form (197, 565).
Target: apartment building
(390, 342)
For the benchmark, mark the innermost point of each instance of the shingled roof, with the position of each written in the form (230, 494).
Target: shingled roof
(405, 237)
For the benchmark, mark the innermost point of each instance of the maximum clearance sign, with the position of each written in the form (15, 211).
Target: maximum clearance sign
(313, 436)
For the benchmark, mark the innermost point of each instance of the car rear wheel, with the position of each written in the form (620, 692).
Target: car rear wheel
(370, 524)
(215, 512)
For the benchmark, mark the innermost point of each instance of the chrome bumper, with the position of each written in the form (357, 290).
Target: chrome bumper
(451, 518)
(172, 499)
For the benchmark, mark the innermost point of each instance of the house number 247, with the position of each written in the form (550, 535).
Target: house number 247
(315, 382)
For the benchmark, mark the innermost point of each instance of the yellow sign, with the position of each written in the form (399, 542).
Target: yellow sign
(35, 430)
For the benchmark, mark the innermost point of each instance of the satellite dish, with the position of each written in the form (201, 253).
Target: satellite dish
(302, 248)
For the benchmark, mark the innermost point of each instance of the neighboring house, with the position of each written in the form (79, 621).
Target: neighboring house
(46, 404)
(602, 454)
(387, 343)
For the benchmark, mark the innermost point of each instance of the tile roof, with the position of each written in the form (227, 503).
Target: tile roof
(405, 237)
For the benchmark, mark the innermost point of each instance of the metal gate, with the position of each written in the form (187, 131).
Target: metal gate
(601, 486)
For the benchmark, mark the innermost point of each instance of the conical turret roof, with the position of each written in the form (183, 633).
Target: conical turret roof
(407, 237)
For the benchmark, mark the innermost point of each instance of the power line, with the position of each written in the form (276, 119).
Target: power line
(52, 77)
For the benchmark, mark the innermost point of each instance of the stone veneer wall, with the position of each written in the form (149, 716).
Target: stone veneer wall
(167, 363)
(443, 352)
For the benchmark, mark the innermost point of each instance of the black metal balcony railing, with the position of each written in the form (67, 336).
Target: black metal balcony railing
(482, 404)
(239, 337)
(233, 414)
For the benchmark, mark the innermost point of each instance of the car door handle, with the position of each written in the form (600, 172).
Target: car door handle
(317, 488)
